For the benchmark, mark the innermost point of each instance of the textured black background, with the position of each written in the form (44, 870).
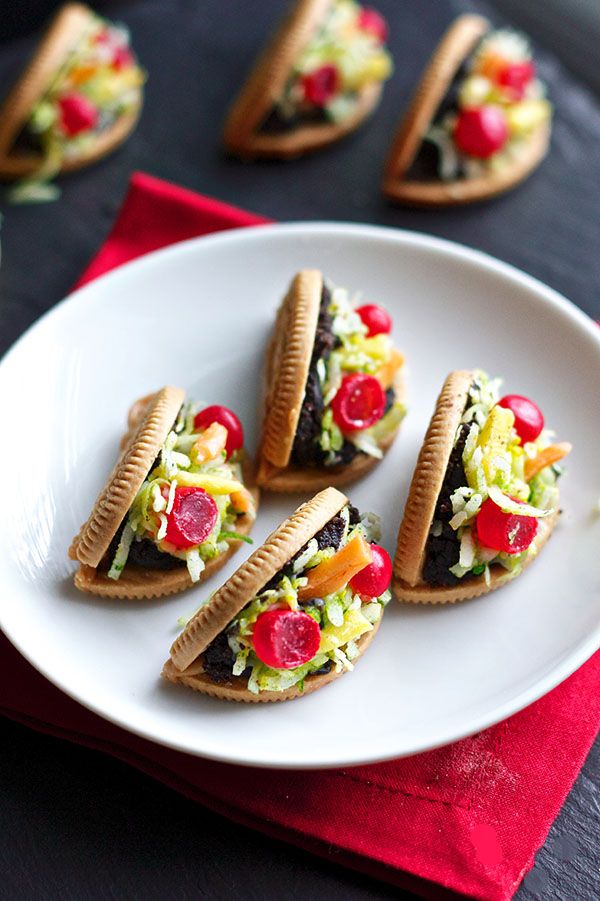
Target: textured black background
(73, 823)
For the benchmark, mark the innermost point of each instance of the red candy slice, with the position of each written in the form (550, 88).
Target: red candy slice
(481, 131)
(217, 413)
(529, 420)
(373, 580)
(76, 114)
(504, 531)
(321, 85)
(377, 320)
(516, 77)
(285, 638)
(373, 22)
(122, 58)
(192, 518)
(359, 402)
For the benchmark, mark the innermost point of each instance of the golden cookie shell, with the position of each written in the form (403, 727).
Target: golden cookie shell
(456, 45)
(238, 691)
(306, 138)
(127, 477)
(428, 477)
(267, 79)
(63, 33)
(287, 367)
(438, 193)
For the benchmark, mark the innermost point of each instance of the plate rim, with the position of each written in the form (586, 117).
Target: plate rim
(480, 259)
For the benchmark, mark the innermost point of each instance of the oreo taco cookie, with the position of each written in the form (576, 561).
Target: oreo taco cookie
(484, 495)
(175, 506)
(478, 122)
(295, 616)
(318, 78)
(78, 99)
(334, 394)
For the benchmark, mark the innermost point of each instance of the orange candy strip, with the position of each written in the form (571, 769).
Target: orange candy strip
(335, 573)
(385, 374)
(210, 444)
(546, 457)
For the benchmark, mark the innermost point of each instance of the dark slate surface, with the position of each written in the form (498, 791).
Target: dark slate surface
(74, 824)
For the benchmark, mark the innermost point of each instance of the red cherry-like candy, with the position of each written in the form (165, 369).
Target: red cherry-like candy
(359, 402)
(529, 420)
(373, 22)
(284, 639)
(481, 131)
(103, 37)
(76, 114)
(504, 531)
(321, 85)
(516, 77)
(192, 518)
(122, 58)
(377, 320)
(217, 413)
(373, 580)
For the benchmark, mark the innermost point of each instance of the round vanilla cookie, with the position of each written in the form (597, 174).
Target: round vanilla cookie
(425, 487)
(428, 476)
(458, 42)
(306, 138)
(287, 366)
(237, 690)
(62, 35)
(265, 84)
(127, 477)
(148, 420)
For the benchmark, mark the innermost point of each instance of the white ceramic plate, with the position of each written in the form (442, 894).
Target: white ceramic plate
(197, 315)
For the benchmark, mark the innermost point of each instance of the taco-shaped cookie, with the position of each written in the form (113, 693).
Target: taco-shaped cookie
(318, 78)
(176, 506)
(334, 395)
(296, 615)
(78, 99)
(478, 124)
(484, 495)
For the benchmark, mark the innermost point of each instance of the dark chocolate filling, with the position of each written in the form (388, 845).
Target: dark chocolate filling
(276, 124)
(443, 551)
(143, 552)
(30, 142)
(306, 450)
(27, 142)
(218, 658)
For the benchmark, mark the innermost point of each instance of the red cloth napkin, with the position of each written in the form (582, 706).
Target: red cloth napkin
(464, 819)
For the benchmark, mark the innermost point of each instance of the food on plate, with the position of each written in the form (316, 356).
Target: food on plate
(478, 123)
(319, 77)
(334, 394)
(484, 496)
(176, 506)
(296, 615)
(77, 100)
